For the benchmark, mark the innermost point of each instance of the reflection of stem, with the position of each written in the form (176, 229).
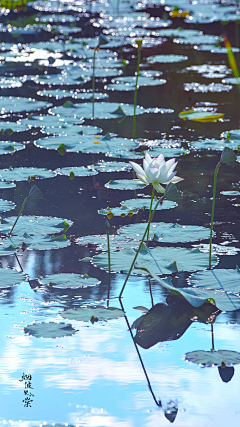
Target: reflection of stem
(9, 234)
(93, 82)
(150, 289)
(132, 265)
(213, 206)
(212, 337)
(18, 261)
(135, 93)
(140, 358)
(150, 210)
(109, 267)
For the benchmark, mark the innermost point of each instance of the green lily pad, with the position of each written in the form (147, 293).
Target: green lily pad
(85, 314)
(166, 232)
(102, 110)
(77, 170)
(128, 83)
(232, 80)
(59, 94)
(122, 211)
(145, 204)
(5, 184)
(39, 242)
(197, 39)
(200, 116)
(224, 301)
(166, 59)
(22, 174)
(34, 225)
(116, 242)
(159, 260)
(212, 87)
(230, 193)
(213, 357)
(102, 166)
(10, 277)
(69, 281)
(6, 205)
(215, 144)
(234, 135)
(221, 279)
(15, 104)
(124, 184)
(49, 330)
(179, 32)
(10, 147)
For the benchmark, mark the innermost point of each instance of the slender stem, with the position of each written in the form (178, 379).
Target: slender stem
(213, 206)
(212, 337)
(158, 403)
(10, 232)
(18, 262)
(132, 265)
(109, 267)
(150, 210)
(150, 289)
(93, 83)
(135, 94)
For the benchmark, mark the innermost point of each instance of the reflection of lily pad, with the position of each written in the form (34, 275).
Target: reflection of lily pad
(145, 204)
(77, 170)
(10, 277)
(34, 225)
(69, 281)
(22, 174)
(169, 322)
(85, 314)
(49, 330)
(213, 357)
(166, 232)
(125, 184)
(6, 205)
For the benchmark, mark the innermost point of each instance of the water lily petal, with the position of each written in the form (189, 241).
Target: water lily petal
(137, 168)
(176, 179)
(153, 173)
(148, 158)
(143, 178)
(167, 178)
(158, 187)
(169, 163)
(160, 160)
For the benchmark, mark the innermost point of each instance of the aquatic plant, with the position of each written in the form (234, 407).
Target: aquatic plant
(34, 194)
(231, 59)
(171, 193)
(156, 171)
(228, 156)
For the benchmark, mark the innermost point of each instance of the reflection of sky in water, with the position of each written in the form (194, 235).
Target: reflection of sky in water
(95, 375)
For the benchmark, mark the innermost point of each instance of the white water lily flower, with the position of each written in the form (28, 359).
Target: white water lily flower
(156, 171)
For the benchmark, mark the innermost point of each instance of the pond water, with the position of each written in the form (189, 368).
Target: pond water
(72, 352)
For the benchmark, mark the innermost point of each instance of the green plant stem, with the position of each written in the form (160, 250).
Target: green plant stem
(212, 337)
(132, 265)
(109, 268)
(150, 211)
(135, 94)
(10, 232)
(93, 83)
(150, 289)
(213, 206)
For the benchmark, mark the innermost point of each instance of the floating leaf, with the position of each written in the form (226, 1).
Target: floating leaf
(125, 184)
(6, 205)
(122, 211)
(22, 174)
(141, 203)
(213, 357)
(76, 171)
(200, 116)
(34, 225)
(49, 330)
